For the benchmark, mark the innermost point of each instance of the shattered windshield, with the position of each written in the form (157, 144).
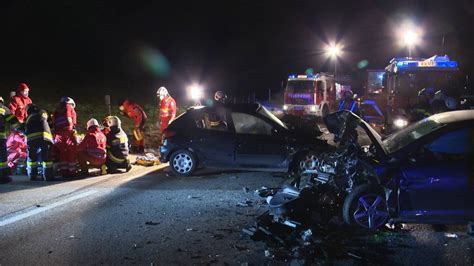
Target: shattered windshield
(298, 86)
(411, 133)
(263, 111)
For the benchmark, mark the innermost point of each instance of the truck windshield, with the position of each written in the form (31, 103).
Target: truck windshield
(298, 86)
(410, 83)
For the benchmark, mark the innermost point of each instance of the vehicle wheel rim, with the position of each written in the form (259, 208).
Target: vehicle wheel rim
(371, 211)
(309, 162)
(182, 163)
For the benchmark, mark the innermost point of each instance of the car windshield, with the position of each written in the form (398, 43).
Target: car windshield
(263, 111)
(410, 83)
(298, 86)
(404, 137)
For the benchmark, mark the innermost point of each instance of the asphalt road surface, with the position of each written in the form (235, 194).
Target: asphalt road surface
(149, 217)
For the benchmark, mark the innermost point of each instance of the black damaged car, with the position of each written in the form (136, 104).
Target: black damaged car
(240, 137)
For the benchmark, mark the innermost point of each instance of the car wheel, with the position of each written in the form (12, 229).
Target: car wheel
(183, 162)
(366, 207)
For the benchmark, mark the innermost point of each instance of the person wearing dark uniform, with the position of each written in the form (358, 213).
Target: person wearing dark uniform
(39, 140)
(6, 117)
(117, 146)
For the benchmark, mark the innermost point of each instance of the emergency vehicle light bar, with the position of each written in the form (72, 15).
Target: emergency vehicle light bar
(302, 76)
(435, 62)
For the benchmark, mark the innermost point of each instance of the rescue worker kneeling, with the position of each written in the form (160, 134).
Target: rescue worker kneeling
(39, 140)
(91, 152)
(117, 145)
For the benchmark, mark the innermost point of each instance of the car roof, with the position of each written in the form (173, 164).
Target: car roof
(240, 107)
(453, 116)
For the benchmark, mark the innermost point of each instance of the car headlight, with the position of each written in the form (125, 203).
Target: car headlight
(400, 122)
(285, 107)
(313, 108)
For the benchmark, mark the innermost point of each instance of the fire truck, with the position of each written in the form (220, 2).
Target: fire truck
(310, 95)
(402, 80)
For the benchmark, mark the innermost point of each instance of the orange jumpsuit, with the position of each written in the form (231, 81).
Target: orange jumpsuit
(64, 120)
(136, 113)
(167, 111)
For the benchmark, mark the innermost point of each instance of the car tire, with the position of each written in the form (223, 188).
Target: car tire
(183, 162)
(366, 207)
(470, 228)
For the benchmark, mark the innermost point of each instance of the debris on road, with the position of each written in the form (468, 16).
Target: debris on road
(245, 203)
(149, 159)
(450, 235)
(152, 223)
(354, 255)
(246, 189)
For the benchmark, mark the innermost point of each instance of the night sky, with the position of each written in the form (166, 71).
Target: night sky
(73, 47)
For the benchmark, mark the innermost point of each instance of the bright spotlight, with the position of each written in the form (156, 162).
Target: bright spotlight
(333, 50)
(195, 92)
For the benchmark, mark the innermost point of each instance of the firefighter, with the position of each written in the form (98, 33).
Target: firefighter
(16, 144)
(19, 102)
(136, 113)
(167, 108)
(6, 117)
(220, 97)
(64, 121)
(91, 152)
(39, 140)
(348, 102)
(117, 146)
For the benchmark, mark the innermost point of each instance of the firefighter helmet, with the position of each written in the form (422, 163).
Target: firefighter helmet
(1, 100)
(32, 109)
(23, 89)
(68, 100)
(162, 92)
(220, 96)
(91, 123)
(111, 121)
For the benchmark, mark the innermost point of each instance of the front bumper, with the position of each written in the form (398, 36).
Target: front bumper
(165, 151)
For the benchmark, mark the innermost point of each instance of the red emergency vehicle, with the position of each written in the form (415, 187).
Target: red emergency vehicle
(310, 95)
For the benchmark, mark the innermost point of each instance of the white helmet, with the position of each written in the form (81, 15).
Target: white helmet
(451, 103)
(92, 122)
(111, 121)
(162, 92)
(68, 100)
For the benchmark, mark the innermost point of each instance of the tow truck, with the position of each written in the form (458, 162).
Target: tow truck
(310, 95)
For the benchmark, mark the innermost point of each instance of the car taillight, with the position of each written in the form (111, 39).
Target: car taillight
(168, 133)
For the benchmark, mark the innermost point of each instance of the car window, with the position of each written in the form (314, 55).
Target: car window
(249, 124)
(455, 142)
(212, 120)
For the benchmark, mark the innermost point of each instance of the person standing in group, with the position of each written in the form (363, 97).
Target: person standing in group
(16, 144)
(39, 140)
(167, 109)
(138, 115)
(6, 117)
(64, 121)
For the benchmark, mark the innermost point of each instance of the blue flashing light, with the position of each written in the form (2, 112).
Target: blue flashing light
(311, 76)
(292, 76)
(448, 64)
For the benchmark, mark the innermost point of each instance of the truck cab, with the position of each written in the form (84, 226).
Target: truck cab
(310, 95)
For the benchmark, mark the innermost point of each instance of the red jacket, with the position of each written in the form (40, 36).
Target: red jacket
(18, 105)
(135, 112)
(167, 108)
(94, 143)
(64, 118)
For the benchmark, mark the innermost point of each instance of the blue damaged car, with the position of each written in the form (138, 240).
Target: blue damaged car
(421, 174)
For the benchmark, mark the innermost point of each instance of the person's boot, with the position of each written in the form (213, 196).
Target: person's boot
(103, 169)
(48, 174)
(32, 173)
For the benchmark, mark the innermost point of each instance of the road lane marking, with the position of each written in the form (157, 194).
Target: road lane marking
(38, 210)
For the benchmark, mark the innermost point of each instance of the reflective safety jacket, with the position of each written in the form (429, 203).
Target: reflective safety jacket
(6, 117)
(94, 143)
(37, 127)
(64, 118)
(18, 105)
(117, 145)
(135, 112)
(167, 108)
